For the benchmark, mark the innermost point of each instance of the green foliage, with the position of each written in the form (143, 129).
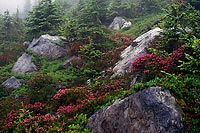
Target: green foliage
(78, 125)
(89, 52)
(71, 75)
(119, 8)
(5, 72)
(19, 91)
(11, 28)
(103, 9)
(64, 4)
(41, 88)
(192, 64)
(195, 3)
(89, 13)
(44, 18)
(134, 8)
(87, 24)
(179, 25)
(3, 91)
(76, 30)
(142, 24)
(6, 105)
(151, 6)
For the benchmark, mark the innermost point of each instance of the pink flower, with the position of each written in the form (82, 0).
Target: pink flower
(60, 93)
(36, 105)
(146, 71)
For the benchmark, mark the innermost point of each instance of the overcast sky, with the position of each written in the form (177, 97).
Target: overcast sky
(11, 5)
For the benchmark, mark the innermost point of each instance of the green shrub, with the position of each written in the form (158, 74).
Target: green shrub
(41, 88)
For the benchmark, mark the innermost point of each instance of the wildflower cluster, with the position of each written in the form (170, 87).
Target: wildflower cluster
(10, 118)
(64, 106)
(25, 121)
(111, 87)
(71, 100)
(36, 105)
(153, 64)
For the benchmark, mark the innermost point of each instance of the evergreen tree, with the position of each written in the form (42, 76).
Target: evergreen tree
(44, 18)
(150, 6)
(89, 21)
(19, 28)
(64, 4)
(27, 8)
(115, 8)
(90, 13)
(11, 27)
(195, 3)
(7, 26)
(120, 8)
(180, 24)
(103, 9)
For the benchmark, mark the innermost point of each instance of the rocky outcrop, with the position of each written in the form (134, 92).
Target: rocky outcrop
(71, 61)
(138, 47)
(149, 111)
(50, 46)
(119, 23)
(12, 83)
(24, 65)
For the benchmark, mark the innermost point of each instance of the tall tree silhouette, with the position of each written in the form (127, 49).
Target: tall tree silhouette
(44, 18)
(27, 7)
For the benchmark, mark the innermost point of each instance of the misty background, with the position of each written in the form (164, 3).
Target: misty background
(23, 6)
(13, 5)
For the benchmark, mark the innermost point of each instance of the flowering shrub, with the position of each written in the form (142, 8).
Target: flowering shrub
(66, 104)
(122, 38)
(24, 121)
(10, 117)
(71, 101)
(110, 87)
(152, 64)
(6, 106)
(41, 88)
(36, 107)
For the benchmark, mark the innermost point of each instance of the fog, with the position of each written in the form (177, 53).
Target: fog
(12, 5)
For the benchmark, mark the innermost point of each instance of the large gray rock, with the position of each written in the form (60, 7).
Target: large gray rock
(24, 65)
(12, 83)
(148, 111)
(119, 23)
(137, 48)
(50, 46)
